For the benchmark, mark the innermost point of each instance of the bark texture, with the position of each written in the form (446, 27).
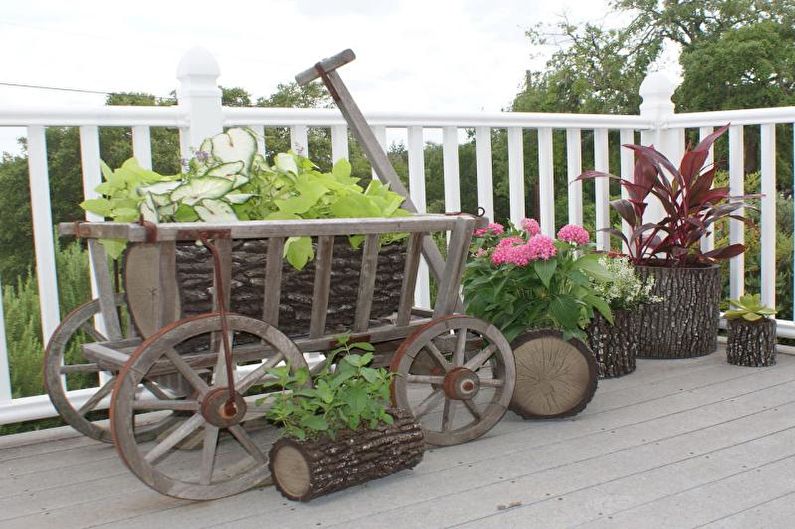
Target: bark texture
(614, 346)
(354, 457)
(194, 275)
(685, 323)
(751, 343)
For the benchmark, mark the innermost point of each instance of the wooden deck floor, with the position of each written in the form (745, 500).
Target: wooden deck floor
(678, 444)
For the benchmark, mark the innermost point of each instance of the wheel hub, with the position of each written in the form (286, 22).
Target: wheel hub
(216, 411)
(461, 383)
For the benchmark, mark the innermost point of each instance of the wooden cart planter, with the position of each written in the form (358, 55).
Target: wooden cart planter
(303, 470)
(170, 390)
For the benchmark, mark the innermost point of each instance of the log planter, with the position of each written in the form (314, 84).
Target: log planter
(685, 323)
(249, 258)
(303, 470)
(751, 343)
(614, 346)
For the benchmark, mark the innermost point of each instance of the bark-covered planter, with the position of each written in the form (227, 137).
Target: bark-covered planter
(303, 470)
(194, 276)
(614, 346)
(751, 343)
(685, 323)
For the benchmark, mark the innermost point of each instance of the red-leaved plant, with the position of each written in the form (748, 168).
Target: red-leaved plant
(692, 206)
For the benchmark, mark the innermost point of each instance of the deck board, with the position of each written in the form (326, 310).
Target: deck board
(684, 444)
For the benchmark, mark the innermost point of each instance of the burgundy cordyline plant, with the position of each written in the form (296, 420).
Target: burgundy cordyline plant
(692, 206)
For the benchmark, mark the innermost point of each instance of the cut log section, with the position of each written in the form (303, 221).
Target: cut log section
(751, 343)
(554, 377)
(303, 470)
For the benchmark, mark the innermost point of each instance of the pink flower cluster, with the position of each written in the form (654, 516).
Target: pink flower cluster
(574, 234)
(531, 226)
(514, 250)
(492, 229)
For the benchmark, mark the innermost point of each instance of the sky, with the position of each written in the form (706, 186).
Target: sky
(412, 55)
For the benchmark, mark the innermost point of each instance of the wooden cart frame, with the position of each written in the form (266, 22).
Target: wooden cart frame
(167, 398)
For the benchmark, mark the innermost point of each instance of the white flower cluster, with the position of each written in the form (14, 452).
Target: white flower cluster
(624, 289)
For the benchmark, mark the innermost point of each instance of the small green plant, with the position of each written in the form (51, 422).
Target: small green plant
(621, 288)
(749, 308)
(344, 396)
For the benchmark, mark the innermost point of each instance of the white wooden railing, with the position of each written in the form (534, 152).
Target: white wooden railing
(199, 114)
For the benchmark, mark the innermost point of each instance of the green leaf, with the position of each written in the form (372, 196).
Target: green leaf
(545, 270)
(198, 189)
(566, 311)
(298, 251)
(314, 422)
(185, 213)
(114, 247)
(341, 169)
(591, 266)
(98, 206)
(215, 211)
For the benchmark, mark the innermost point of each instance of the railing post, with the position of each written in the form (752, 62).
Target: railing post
(5, 372)
(657, 108)
(198, 94)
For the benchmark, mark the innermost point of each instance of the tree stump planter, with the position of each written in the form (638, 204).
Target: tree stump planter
(751, 343)
(614, 346)
(303, 470)
(685, 323)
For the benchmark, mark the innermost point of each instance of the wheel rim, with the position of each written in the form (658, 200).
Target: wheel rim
(202, 457)
(65, 364)
(554, 377)
(456, 375)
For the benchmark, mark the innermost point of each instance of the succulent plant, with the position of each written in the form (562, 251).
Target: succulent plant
(749, 308)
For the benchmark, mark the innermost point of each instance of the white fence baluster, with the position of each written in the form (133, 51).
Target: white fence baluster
(736, 227)
(516, 175)
(626, 136)
(299, 141)
(573, 170)
(5, 371)
(483, 155)
(339, 142)
(452, 177)
(546, 183)
(259, 132)
(380, 135)
(602, 185)
(767, 234)
(708, 241)
(422, 293)
(43, 231)
(142, 146)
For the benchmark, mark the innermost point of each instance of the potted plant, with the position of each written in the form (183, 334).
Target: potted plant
(752, 332)
(226, 181)
(538, 292)
(616, 344)
(340, 432)
(685, 323)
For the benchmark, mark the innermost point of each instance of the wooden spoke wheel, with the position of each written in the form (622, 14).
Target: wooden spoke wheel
(65, 369)
(213, 451)
(554, 377)
(456, 375)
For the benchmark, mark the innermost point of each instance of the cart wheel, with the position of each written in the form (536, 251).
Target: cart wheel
(473, 387)
(66, 368)
(554, 377)
(210, 453)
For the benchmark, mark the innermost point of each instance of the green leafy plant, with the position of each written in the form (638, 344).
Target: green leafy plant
(227, 180)
(749, 307)
(520, 279)
(345, 395)
(621, 288)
